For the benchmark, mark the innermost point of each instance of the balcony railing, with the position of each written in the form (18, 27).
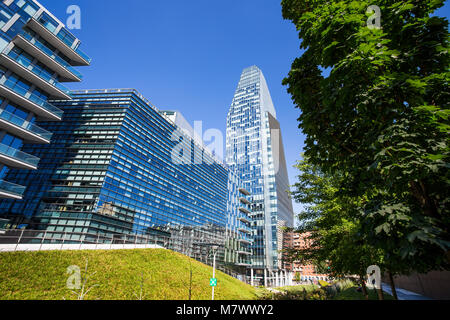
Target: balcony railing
(11, 188)
(19, 155)
(245, 238)
(51, 54)
(244, 218)
(20, 122)
(83, 55)
(32, 97)
(77, 50)
(41, 73)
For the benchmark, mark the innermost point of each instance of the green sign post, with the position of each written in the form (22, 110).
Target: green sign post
(213, 282)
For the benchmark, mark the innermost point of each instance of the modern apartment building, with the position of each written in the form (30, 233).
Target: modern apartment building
(254, 149)
(239, 236)
(117, 166)
(37, 54)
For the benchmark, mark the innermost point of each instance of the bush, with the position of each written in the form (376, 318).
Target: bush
(323, 283)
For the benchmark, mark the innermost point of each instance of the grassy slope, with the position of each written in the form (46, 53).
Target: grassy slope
(42, 276)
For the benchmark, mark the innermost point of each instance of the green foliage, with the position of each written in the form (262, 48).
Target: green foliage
(151, 274)
(323, 283)
(377, 129)
(338, 246)
(345, 291)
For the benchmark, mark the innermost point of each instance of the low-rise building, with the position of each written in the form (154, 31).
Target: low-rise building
(303, 272)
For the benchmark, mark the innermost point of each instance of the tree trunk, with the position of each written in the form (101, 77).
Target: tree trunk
(391, 280)
(419, 191)
(364, 288)
(380, 294)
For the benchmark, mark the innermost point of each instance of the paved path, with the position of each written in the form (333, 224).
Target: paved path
(404, 294)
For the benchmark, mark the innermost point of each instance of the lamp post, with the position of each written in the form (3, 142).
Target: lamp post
(214, 249)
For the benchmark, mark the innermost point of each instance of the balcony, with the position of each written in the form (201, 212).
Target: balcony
(244, 219)
(78, 57)
(37, 49)
(41, 108)
(244, 201)
(17, 159)
(18, 126)
(244, 263)
(243, 191)
(244, 230)
(11, 191)
(34, 74)
(245, 240)
(244, 210)
(245, 252)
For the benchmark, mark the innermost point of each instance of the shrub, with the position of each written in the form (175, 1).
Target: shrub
(323, 283)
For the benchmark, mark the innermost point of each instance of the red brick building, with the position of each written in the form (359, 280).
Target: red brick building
(305, 272)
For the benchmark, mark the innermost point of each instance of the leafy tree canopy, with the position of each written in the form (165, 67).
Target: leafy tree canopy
(381, 117)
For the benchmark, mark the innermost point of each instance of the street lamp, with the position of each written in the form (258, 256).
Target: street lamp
(214, 247)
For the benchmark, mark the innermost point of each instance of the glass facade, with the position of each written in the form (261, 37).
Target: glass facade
(37, 53)
(254, 150)
(109, 170)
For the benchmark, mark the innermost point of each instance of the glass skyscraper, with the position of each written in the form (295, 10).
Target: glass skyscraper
(111, 170)
(254, 150)
(37, 53)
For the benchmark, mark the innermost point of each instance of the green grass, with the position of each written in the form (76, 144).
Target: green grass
(42, 276)
(352, 294)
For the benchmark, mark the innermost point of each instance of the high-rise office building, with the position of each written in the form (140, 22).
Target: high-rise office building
(118, 167)
(254, 150)
(37, 53)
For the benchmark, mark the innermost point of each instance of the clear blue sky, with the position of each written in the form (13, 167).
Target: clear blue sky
(188, 55)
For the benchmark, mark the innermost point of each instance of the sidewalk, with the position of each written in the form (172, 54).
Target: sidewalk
(404, 294)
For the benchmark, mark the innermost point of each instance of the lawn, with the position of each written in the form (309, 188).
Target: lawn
(115, 275)
(352, 294)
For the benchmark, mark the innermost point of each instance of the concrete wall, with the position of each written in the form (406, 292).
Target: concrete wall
(435, 284)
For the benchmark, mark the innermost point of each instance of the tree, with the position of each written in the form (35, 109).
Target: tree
(338, 247)
(380, 118)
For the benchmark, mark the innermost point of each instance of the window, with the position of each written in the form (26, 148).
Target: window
(66, 37)
(48, 22)
(4, 18)
(41, 95)
(16, 111)
(12, 141)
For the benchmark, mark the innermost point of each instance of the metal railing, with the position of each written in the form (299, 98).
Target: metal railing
(50, 53)
(77, 50)
(35, 240)
(11, 188)
(16, 88)
(35, 69)
(19, 155)
(21, 122)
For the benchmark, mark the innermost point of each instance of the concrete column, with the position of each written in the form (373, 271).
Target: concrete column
(282, 282)
(271, 279)
(265, 278)
(277, 279)
(251, 278)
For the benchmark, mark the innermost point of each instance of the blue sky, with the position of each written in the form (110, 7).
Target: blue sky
(188, 55)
